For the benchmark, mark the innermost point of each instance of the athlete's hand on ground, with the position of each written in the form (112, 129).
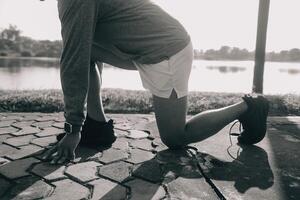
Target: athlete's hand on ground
(64, 150)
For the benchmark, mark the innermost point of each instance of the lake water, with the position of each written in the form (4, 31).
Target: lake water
(215, 76)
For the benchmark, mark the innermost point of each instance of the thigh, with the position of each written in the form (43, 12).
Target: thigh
(170, 116)
(102, 55)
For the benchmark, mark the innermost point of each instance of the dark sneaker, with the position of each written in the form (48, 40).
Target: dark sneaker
(254, 121)
(95, 134)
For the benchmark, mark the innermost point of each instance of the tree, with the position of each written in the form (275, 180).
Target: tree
(224, 51)
(294, 54)
(12, 33)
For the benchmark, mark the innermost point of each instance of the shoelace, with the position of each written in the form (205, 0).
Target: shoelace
(230, 134)
(191, 148)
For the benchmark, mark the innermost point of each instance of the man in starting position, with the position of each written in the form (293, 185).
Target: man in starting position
(136, 35)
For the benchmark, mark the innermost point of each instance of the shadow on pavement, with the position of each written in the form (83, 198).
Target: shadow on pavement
(250, 169)
(19, 181)
(178, 172)
(32, 177)
(284, 139)
(172, 169)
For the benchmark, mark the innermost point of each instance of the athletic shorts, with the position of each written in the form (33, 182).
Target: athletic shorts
(173, 73)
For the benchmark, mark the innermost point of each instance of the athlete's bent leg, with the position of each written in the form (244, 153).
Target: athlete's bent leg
(94, 102)
(175, 132)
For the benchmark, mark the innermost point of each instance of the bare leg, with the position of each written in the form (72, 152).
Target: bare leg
(94, 101)
(175, 131)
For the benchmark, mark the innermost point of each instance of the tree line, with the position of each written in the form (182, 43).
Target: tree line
(234, 53)
(12, 43)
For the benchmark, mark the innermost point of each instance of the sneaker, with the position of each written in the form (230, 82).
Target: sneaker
(95, 133)
(254, 120)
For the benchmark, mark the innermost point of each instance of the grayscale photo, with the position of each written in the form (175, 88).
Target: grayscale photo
(149, 99)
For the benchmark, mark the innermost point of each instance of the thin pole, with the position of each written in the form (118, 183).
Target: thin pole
(261, 37)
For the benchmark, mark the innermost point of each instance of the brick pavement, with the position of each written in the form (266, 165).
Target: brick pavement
(139, 166)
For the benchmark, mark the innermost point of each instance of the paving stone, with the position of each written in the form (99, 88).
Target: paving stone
(29, 188)
(6, 123)
(43, 124)
(150, 127)
(144, 190)
(56, 114)
(120, 133)
(107, 190)
(7, 130)
(25, 151)
(112, 155)
(3, 161)
(123, 126)
(26, 131)
(143, 126)
(17, 168)
(60, 118)
(180, 157)
(291, 128)
(49, 171)
(6, 150)
(4, 137)
(291, 138)
(30, 117)
(159, 145)
(173, 170)
(119, 171)
(138, 156)
(284, 120)
(19, 141)
(254, 171)
(83, 172)
(149, 171)
(86, 154)
(118, 118)
(50, 132)
(277, 178)
(44, 141)
(144, 144)
(4, 185)
(136, 118)
(67, 189)
(136, 134)
(10, 117)
(22, 124)
(169, 177)
(59, 125)
(46, 118)
(289, 181)
(121, 143)
(284, 145)
(184, 188)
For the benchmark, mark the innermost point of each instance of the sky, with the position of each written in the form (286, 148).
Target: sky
(211, 23)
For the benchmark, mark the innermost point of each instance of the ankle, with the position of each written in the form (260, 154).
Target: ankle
(243, 108)
(96, 119)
